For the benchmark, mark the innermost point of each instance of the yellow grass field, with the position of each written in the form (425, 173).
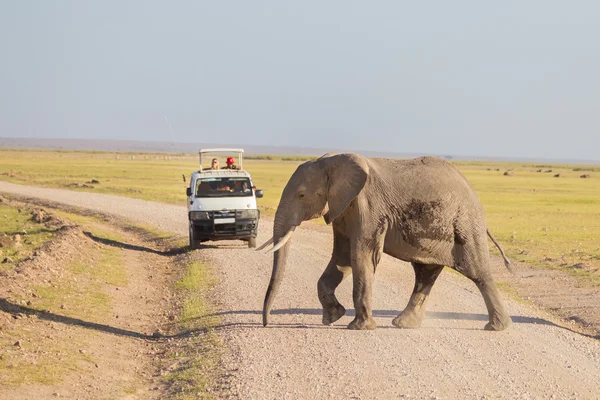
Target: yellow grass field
(541, 219)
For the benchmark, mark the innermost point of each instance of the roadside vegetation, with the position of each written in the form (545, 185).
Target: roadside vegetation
(61, 304)
(198, 357)
(20, 234)
(548, 218)
(35, 352)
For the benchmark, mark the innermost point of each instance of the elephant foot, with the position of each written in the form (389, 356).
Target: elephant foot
(498, 324)
(407, 321)
(362, 324)
(330, 315)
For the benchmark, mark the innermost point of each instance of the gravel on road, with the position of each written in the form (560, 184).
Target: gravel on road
(296, 357)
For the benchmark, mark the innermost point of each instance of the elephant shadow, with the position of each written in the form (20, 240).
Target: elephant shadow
(442, 315)
(16, 309)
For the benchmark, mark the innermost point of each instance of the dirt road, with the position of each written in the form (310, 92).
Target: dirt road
(450, 357)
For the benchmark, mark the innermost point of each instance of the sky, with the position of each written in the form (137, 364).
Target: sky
(507, 79)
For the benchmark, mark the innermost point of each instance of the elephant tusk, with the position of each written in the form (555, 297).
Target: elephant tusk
(268, 242)
(283, 241)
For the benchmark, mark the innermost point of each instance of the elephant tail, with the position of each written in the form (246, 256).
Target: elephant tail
(507, 262)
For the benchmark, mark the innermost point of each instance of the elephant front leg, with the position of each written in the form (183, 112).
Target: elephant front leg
(425, 277)
(329, 281)
(363, 269)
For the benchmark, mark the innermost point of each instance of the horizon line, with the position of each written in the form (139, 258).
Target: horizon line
(169, 148)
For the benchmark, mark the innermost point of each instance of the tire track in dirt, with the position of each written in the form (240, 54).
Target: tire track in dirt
(296, 357)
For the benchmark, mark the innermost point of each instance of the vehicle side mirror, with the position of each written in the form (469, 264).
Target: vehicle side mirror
(188, 191)
(259, 194)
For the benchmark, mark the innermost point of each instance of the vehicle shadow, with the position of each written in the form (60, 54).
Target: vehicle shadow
(122, 245)
(171, 252)
(17, 310)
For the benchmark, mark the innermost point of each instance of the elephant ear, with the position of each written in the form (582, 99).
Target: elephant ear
(347, 175)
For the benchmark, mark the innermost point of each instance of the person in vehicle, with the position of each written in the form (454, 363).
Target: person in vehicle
(215, 164)
(230, 164)
(224, 187)
(245, 188)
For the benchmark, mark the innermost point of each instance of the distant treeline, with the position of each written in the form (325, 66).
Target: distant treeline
(590, 169)
(279, 158)
(566, 166)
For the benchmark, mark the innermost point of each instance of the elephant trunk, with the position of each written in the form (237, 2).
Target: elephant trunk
(280, 230)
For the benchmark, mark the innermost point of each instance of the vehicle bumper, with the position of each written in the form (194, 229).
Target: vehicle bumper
(215, 229)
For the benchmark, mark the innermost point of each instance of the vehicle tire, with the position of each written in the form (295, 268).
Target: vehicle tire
(252, 243)
(194, 244)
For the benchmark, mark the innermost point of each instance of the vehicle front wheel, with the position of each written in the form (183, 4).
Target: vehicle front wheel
(194, 244)
(252, 243)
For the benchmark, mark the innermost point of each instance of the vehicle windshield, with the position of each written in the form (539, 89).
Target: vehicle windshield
(223, 187)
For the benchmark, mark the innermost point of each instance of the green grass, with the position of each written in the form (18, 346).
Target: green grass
(507, 289)
(47, 360)
(194, 286)
(144, 176)
(45, 366)
(79, 301)
(130, 390)
(193, 377)
(13, 222)
(151, 231)
(150, 177)
(542, 220)
(84, 220)
(80, 291)
(83, 293)
(108, 269)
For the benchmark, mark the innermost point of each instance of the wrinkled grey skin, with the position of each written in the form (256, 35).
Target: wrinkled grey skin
(422, 211)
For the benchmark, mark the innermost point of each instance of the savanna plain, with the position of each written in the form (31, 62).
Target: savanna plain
(544, 214)
(70, 272)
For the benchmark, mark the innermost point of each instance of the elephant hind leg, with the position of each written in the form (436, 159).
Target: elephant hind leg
(477, 268)
(425, 277)
(499, 318)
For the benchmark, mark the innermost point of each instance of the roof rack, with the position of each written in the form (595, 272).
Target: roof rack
(239, 152)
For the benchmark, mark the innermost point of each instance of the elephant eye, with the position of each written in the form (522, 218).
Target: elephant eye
(301, 195)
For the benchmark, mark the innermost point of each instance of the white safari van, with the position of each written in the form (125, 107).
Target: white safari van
(222, 202)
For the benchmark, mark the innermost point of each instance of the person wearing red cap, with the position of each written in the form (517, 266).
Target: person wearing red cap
(230, 164)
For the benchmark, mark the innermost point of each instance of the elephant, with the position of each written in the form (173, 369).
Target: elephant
(421, 211)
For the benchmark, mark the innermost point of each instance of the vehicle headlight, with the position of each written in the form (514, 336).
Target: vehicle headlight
(247, 214)
(199, 216)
